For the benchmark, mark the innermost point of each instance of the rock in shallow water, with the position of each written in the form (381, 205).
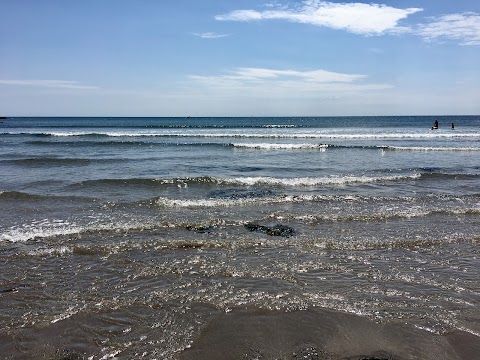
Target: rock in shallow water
(276, 230)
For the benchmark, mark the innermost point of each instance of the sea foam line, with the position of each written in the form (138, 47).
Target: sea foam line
(279, 126)
(266, 146)
(200, 203)
(259, 180)
(315, 181)
(48, 228)
(39, 229)
(167, 202)
(264, 135)
(422, 148)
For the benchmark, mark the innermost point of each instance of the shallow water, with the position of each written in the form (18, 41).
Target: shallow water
(133, 237)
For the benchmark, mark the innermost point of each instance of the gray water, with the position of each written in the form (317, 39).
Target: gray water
(155, 237)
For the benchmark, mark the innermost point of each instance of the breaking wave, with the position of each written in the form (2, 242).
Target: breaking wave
(427, 148)
(261, 146)
(122, 143)
(265, 134)
(252, 181)
(267, 146)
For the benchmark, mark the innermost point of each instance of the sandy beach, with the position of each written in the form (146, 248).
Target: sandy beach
(322, 334)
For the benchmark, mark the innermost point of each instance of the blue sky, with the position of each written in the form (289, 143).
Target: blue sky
(239, 57)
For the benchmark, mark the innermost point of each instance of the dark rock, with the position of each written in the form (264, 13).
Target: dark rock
(14, 289)
(255, 227)
(276, 230)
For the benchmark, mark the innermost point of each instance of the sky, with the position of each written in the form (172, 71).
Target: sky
(239, 57)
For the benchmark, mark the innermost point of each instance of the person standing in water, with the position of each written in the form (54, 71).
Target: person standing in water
(453, 126)
(435, 125)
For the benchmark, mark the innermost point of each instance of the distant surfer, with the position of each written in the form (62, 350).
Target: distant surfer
(453, 126)
(435, 125)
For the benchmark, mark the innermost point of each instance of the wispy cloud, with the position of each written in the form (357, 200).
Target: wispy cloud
(63, 84)
(358, 18)
(312, 76)
(210, 35)
(463, 27)
(283, 83)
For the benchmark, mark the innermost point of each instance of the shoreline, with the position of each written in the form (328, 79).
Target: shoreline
(318, 333)
(243, 333)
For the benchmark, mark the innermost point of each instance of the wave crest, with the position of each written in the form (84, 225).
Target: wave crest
(267, 146)
(427, 148)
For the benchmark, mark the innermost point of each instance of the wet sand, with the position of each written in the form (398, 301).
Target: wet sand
(242, 334)
(322, 334)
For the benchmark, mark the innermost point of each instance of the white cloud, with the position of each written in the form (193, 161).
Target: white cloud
(358, 18)
(63, 84)
(464, 27)
(254, 82)
(313, 76)
(210, 35)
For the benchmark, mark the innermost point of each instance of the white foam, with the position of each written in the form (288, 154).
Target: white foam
(279, 126)
(420, 148)
(39, 229)
(212, 202)
(429, 329)
(291, 182)
(316, 181)
(60, 250)
(265, 133)
(51, 228)
(267, 146)
(68, 313)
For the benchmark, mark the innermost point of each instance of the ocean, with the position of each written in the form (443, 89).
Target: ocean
(240, 238)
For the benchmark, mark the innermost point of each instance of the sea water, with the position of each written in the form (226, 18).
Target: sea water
(136, 237)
